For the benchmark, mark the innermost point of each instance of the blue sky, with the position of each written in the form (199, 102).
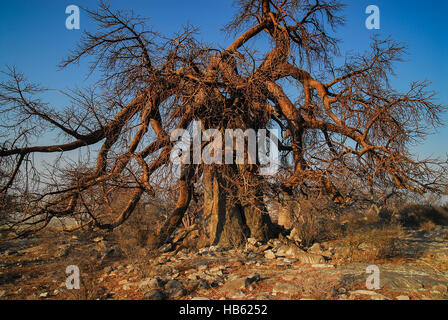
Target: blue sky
(33, 37)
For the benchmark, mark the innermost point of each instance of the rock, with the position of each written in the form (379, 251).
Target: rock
(250, 280)
(321, 266)
(199, 298)
(193, 277)
(374, 295)
(290, 251)
(202, 267)
(252, 241)
(204, 250)
(217, 268)
(403, 298)
(43, 295)
(113, 253)
(285, 288)
(268, 254)
(108, 269)
(310, 258)
(177, 293)
(98, 239)
(155, 294)
(203, 284)
(263, 248)
(240, 283)
(173, 284)
(2, 293)
(439, 288)
(154, 283)
(315, 248)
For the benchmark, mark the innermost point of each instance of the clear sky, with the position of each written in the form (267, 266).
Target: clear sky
(34, 38)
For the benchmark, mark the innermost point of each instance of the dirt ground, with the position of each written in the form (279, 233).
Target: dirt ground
(411, 264)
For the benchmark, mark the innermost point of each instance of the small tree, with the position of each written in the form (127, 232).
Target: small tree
(348, 130)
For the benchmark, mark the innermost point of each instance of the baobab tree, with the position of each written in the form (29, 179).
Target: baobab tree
(343, 127)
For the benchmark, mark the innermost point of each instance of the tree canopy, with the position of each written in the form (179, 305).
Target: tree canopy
(344, 129)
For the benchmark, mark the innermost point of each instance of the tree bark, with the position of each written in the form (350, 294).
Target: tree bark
(229, 222)
(286, 211)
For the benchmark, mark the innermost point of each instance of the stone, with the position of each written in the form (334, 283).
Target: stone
(268, 254)
(252, 241)
(322, 266)
(203, 284)
(154, 294)
(200, 298)
(251, 280)
(193, 276)
(403, 298)
(239, 283)
(374, 295)
(310, 258)
(177, 293)
(289, 251)
(98, 239)
(113, 253)
(439, 288)
(108, 269)
(154, 283)
(173, 284)
(315, 248)
(285, 288)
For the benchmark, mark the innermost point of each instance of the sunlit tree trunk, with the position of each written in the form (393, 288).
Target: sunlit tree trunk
(230, 222)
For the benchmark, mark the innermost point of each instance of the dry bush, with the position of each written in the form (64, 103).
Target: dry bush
(315, 220)
(415, 215)
(368, 242)
(146, 220)
(90, 288)
(319, 286)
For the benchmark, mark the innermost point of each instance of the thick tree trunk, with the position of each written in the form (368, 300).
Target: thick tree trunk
(287, 211)
(229, 222)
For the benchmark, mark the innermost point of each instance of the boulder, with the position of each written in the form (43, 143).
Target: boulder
(269, 254)
(155, 294)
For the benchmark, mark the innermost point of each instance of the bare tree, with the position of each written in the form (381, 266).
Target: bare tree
(345, 130)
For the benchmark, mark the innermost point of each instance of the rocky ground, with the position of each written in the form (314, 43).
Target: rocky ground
(280, 269)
